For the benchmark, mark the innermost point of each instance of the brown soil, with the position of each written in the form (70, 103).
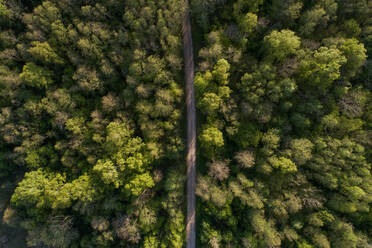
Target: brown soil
(191, 129)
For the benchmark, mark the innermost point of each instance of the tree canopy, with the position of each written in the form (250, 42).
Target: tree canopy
(93, 133)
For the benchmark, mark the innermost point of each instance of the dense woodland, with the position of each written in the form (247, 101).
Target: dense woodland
(92, 122)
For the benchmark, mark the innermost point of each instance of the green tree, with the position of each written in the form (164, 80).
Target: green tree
(243, 6)
(211, 140)
(36, 76)
(355, 53)
(301, 150)
(4, 12)
(286, 12)
(91, 109)
(44, 53)
(285, 165)
(57, 232)
(107, 172)
(42, 189)
(139, 183)
(322, 68)
(248, 23)
(174, 187)
(281, 44)
(351, 28)
(267, 233)
(210, 103)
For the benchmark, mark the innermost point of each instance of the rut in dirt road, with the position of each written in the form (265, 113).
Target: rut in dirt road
(191, 128)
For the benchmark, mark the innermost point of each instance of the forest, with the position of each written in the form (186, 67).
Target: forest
(93, 123)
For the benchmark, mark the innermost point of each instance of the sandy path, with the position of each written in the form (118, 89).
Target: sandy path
(191, 129)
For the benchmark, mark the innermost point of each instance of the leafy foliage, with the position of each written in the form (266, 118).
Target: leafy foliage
(92, 122)
(293, 169)
(90, 105)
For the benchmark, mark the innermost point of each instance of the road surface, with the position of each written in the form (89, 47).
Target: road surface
(191, 128)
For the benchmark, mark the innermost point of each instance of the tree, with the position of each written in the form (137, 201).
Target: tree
(348, 194)
(138, 184)
(286, 11)
(91, 121)
(57, 232)
(210, 236)
(248, 135)
(352, 104)
(87, 78)
(218, 170)
(248, 23)
(270, 141)
(4, 12)
(355, 54)
(76, 125)
(267, 234)
(36, 76)
(301, 150)
(41, 189)
(243, 6)
(44, 53)
(100, 223)
(245, 159)
(174, 187)
(322, 68)
(211, 140)
(118, 135)
(126, 229)
(318, 16)
(281, 44)
(351, 28)
(107, 172)
(210, 103)
(220, 72)
(285, 165)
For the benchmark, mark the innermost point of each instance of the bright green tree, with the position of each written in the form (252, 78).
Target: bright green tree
(281, 44)
(36, 76)
(322, 68)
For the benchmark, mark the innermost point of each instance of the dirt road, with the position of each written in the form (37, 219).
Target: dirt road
(191, 128)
